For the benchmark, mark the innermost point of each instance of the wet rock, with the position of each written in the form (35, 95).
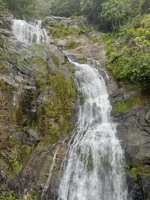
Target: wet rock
(145, 183)
(138, 194)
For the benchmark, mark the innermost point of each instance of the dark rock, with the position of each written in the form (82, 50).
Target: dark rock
(128, 95)
(3, 177)
(134, 188)
(145, 183)
(6, 21)
(142, 121)
(33, 134)
(147, 129)
(138, 193)
(148, 116)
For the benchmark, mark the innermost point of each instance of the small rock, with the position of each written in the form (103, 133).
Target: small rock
(34, 134)
(145, 182)
(148, 116)
(147, 129)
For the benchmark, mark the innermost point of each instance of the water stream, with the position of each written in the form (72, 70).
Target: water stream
(94, 168)
(29, 33)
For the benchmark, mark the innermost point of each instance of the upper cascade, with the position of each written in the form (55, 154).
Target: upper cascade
(29, 33)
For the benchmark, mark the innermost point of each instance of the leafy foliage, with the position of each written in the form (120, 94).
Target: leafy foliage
(27, 9)
(65, 8)
(128, 52)
(107, 14)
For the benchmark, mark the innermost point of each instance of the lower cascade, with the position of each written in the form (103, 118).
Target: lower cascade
(29, 33)
(94, 165)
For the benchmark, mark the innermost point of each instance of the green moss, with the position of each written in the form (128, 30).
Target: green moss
(56, 60)
(4, 68)
(121, 106)
(61, 30)
(83, 58)
(15, 159)
(135, 171)
(5, 87)
(96, 39)
(55, 113)
(9, 195)
(72, 44)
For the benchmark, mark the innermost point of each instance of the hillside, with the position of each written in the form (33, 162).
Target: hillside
(42, 102)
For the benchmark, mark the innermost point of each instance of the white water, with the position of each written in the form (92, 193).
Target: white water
(94, 164)
(29, 33)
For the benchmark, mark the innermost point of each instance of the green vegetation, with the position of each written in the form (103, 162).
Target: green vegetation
(55, 113)
(72, 44)
(27, 9)
(83, 59)
(135, 171)
(61, 30)
(128, 52)
(56, 60)
(9, 196)
(107, 14)
(15, 158)
(96, 39)
(127, 105)
(65, 8)
(128, 41)
(52, 118)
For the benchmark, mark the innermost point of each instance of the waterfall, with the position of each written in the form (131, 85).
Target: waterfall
(94, 168)
(29, 33)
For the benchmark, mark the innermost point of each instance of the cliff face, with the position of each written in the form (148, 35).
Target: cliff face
(131, 113)
(37, 97)
(37, 103)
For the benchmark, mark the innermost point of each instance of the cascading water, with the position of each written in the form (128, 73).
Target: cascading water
(29, 33)
(94, 164)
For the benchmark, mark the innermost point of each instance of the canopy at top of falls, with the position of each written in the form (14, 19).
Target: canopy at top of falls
(29, 33)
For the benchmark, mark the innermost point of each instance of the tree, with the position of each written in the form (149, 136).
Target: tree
(26, 9)
(65, 8)
(91, 10)
(2, 6)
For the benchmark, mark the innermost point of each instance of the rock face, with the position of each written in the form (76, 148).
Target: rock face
(131, 113)
(37, 96)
